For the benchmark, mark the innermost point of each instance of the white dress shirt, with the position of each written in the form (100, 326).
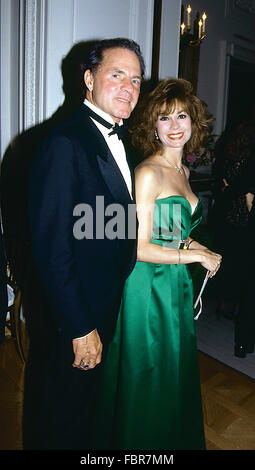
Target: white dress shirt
(114, 143)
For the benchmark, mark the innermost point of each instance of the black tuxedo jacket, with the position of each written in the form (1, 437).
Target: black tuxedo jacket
(81, 279)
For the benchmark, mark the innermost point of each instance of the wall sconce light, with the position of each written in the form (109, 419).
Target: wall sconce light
(190, 45)
(188, 38)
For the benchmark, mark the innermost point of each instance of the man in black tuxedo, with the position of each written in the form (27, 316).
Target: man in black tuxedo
(83, 245)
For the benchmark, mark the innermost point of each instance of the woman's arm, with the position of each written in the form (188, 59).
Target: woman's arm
(193, 244)
(148, 186)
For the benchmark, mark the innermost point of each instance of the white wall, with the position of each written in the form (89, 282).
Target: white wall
(105, 19)
(71, 21)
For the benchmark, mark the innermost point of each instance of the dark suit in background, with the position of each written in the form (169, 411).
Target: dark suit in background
(245, 319)
(233, 151)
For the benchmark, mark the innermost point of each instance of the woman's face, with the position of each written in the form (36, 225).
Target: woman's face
(174, 129)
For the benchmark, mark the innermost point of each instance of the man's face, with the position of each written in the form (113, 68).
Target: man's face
(116, 86)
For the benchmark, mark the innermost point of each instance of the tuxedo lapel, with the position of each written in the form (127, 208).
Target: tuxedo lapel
(106, 163)
(114, 178)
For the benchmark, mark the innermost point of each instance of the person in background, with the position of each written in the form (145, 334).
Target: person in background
(151, 388)
(244, 335)
(233, 151)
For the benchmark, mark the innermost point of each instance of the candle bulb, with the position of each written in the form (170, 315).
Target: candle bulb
(204, 18)
(182, 28)
(199, 28)
(188, 16)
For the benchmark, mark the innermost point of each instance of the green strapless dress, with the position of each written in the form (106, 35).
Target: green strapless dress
(150, 395)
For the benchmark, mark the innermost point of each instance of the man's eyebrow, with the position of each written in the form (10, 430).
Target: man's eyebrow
(115, 69)
(138, 76)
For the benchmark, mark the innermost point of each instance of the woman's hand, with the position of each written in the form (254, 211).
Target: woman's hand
(225, 185)
(249, 200)
(211, 261)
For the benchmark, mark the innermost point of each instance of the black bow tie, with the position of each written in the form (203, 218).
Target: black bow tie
(121, 131)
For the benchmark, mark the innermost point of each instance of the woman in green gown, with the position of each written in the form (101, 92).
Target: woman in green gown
(151, 388)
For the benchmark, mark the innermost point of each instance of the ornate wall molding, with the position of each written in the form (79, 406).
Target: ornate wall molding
(9, 72)
(245, 5)
(30, 72)
(235, 7)
(241, 53)
(31, 80)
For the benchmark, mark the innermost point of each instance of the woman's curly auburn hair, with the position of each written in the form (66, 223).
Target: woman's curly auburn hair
(162, 101)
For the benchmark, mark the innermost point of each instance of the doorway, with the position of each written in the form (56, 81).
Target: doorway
(241, 95)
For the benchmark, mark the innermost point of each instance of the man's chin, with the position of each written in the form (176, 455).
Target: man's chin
(124, 114)
(123, 110)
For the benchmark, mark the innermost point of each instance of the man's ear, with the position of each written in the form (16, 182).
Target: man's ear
(88, 79)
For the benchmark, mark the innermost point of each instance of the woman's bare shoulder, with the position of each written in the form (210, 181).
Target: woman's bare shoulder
(149, 169)
(148, 178)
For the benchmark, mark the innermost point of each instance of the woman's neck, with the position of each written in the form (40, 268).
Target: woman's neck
(173, 155)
